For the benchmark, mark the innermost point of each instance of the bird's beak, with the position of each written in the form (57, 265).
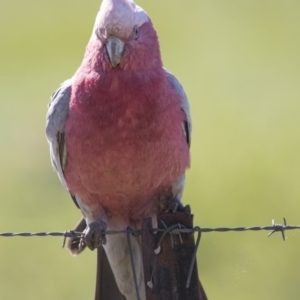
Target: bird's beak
(115, 49)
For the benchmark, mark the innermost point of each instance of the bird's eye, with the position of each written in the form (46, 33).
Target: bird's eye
(135, 32)
(101, 33)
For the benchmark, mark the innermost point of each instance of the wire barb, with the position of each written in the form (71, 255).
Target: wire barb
(279, 227)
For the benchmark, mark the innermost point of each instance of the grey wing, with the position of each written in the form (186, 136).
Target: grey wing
(187, 125)
(178, 185)
(57, 115)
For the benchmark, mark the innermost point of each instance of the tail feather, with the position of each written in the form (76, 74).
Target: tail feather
(106, 286)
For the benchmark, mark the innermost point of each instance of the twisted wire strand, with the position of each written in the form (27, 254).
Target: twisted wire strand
(174, 229)
(71, 233)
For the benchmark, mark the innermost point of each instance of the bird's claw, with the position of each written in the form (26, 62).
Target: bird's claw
(186, 209)
(94, 235)
(175, 205)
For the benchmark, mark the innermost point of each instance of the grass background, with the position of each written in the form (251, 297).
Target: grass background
(239, 63)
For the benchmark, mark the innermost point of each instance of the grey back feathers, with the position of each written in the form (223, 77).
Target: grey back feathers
(187, 126)
(57, 114)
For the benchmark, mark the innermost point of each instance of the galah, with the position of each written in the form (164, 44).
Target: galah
(119, 133)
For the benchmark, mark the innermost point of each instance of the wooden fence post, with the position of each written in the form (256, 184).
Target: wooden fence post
(166, 272)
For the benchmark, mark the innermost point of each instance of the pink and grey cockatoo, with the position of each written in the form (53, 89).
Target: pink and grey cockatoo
(119, 134)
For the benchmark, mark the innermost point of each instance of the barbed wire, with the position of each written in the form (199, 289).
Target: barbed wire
(174, 229)
(73, 234)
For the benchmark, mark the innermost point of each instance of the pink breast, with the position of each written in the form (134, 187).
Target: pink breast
(124, 148)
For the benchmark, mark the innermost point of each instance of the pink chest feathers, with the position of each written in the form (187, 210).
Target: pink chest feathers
(124, 138)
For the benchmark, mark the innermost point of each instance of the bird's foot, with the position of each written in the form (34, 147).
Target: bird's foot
(175, 205)
(94, 235)
(76, 244)
(186, 209)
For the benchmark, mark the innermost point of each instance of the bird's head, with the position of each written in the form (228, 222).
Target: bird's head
(124, 35)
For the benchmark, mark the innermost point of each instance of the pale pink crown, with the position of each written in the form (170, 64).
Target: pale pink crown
(119, 17)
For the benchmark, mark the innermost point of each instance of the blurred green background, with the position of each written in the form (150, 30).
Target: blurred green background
(239, 62)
